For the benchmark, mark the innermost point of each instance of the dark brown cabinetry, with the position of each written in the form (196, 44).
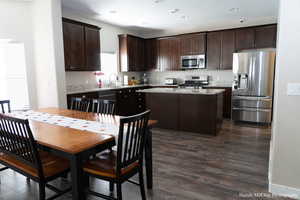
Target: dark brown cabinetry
(265, 36)
(128, 100)
(209, 117)
(226, 100)
(131, 50)
(151, 54)
(256, 37)
(220, 49)
(213, 52)
(194, 113)
(244, 38)
(73, 35)
(81, 46)
(168, 54)
(92, 48)
(227, 49)
(192, 44)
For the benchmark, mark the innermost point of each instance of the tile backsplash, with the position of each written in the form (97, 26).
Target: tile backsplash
(215, 77)
(76, 81)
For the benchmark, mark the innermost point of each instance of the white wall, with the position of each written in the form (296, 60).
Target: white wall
(16, 23)
(284, 172)
(49, 55)
(37, 24)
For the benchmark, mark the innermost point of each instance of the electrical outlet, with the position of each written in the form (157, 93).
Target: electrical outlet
(293, 89)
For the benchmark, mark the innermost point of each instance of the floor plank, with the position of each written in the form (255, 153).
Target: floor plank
(187, 166)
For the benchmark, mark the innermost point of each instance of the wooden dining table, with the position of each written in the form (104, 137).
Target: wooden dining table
(78, 145)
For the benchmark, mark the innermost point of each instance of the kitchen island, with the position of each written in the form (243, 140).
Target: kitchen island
(193, 110)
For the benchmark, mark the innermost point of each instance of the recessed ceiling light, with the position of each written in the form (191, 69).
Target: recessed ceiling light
(234, 9)
(113, 11)
(173, 11)
(158, 1)
(184, 17)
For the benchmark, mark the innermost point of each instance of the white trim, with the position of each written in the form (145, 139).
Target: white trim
(285, 191)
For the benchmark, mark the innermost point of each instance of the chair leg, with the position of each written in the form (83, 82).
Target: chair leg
(119, 191)
(111, 186)
(42, 191)
(142, 185)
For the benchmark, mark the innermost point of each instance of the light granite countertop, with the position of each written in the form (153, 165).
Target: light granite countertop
(143, 85)
(111, 88)
(183, 91)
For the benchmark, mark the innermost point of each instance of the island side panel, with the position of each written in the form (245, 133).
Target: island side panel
(164, 108)
(198, 113)
(220, 109)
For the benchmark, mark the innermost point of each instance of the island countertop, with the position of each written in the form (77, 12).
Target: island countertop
(183, 91)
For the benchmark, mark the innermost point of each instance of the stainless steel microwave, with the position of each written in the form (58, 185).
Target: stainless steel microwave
(193, 62)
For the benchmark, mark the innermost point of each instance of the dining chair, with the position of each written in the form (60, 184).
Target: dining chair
(3, 103)
(3, 109)
(19, 151)
(103, 106)
(119, 166)
(80, 104)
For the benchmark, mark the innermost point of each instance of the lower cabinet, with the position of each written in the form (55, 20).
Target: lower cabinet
(128, 101)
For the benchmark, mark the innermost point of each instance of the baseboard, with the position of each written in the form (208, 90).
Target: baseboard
(284, 191)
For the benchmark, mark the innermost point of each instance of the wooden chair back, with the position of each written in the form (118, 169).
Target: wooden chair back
(103, 106)
(16, 140)
(5, 108)
(131, 140)
(80, 104)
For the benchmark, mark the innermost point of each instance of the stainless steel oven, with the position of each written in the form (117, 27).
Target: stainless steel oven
(193, 62)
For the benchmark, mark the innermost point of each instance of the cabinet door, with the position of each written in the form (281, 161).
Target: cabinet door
(265, 36)
(213, 50)
(123, 55)
(174, 54)
(151, 53)
(92, 48)
(244, 38)
(74, 47)
(163, 55)
(140, 51)
(169, 54)
(228, 48)
(192, 44)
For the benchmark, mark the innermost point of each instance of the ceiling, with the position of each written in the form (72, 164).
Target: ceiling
(165, 17)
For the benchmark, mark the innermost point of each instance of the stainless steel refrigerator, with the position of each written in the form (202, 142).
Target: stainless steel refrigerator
(252, 90)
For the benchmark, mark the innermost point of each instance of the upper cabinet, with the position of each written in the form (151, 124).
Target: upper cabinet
(227, 49)
(163, 54)
(131, 52)
(151, 54)
(92, 48)
(169, 54)
(81, 46)
(213, 53)
(265, 36)
(220, 49)
(244, 38)
(256, 37)
(192, 44)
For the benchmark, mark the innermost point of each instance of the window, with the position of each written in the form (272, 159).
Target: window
(109, 67)
(13, 82)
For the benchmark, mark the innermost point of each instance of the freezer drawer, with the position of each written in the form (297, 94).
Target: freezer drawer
(251, 102)
(252, 115)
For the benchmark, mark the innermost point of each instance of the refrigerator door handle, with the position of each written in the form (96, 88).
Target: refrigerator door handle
(252, 109)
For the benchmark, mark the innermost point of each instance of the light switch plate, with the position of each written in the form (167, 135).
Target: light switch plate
(293, 89)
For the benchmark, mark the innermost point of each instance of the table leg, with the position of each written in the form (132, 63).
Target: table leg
(148, 160)
(77, 178)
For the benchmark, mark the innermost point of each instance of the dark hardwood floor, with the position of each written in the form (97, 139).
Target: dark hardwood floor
(187, 166)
